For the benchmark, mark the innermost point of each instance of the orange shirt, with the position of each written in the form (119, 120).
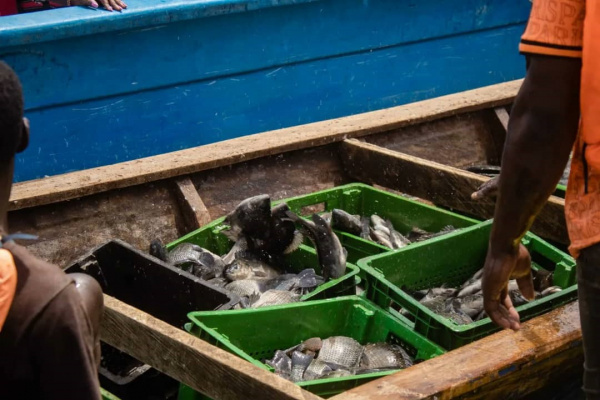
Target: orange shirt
(571, 28)
(8, 283)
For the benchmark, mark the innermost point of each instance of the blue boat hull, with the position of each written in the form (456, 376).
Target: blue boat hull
(103, 87)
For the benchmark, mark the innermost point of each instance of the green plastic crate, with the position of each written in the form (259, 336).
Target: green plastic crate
(561, 191)
(365, 200)
(211, 238)
(452, 260)
(106, 395)
(255, 334)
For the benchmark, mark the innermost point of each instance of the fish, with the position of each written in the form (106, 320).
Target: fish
(281, 363)
(382, 238)
(453, 312)
(240, 245)
(246, 287)
(384, 356)
(273, 297)
(200, 262)
(542, 279)
(435, 300)
(327, 217)
(397, 240)
(343, 221)
(218, 282)
(313, 344)
(470, 289)
(305, 279)
(419, 235)
(472, 305)
(316, 370)
(282, 236)
(365, 231)
(246, 266)
(251, 217)
(517, 298)
(338, 373)
(441, 291)
(300, 362)
(332, 256)
(341, 351)
(379, 224)
(550, 290)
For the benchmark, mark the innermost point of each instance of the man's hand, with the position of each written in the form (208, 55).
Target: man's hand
(108, 4)
(497, 271)
(488, 189)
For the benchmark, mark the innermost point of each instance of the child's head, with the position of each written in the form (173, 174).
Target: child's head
(14, 129)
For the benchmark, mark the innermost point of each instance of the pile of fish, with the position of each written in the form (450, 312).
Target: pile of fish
(337, 356)
(255, 269)
(377, 229)
(464, 305)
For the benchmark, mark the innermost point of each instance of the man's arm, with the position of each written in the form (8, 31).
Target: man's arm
(62, 344)
(542, 128)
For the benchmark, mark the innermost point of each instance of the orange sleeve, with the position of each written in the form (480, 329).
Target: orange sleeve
(8, 283)
(555, 28)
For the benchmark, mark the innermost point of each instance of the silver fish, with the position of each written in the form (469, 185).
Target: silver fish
(341, 351)
(365, 232)
(441, 291)
(551, 290)
(305, 279)
(517, 298)
(316, 370)
(246, 287)
(472, 305)
(379, 224)
(381, 238)
(472, 288)
(300, 362)
(274, 297)
(281, 363)
(453, 312)
(338, 373)
(345, 222)
(247, 268)
(332, 256)
(384, 356)
(199, 261)
(396, 238)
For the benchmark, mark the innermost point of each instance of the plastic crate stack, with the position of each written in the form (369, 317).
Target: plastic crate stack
(384, 277)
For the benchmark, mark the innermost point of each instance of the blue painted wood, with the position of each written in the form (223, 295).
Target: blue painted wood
(147, 86)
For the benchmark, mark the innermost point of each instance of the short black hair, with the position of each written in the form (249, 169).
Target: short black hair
(11, 112)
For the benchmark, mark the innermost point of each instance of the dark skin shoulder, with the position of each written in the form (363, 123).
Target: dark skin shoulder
(542, 129)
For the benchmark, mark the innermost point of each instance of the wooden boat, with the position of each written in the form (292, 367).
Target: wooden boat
(418, 149)
(163, 76)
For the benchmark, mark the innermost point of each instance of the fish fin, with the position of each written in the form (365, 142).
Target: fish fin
(158, 250)
(253, 298)
(296, 242)
(280, 210)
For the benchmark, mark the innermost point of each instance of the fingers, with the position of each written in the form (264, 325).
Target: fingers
(113, 4)
(522, 273)
(502, 312)
(497, 271)
(489, 189)
(88, 3)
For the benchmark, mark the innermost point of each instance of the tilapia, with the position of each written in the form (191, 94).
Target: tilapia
(365, 231)
(332, 256)
(382, 238)
(305, 279)
(338, 373)
(397, 240)
(300, 362)
(453, 312)
(472, 305)
(281, 363)
(419, 235)
(379, 224)
(190, 256)
(218, 282)
(517, 298)
(274, 297)
(384, 356)
(316, 370)
(542, 280)
(435, 299)
(251, 217)
(470, 289)
(245, 267)
(345, 222)
(550, 290)
(282, 236)
(246, 287)
(441, 291)
(341, 351)
(240, 245)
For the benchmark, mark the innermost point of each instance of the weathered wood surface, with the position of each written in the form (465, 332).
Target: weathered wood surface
(443, 185)
(195, 213)
(83, 183)
(501, 366)
(190, 360)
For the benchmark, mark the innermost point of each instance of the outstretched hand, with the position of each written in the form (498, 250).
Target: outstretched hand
(110, 5)
(488, 189)
(497, 271)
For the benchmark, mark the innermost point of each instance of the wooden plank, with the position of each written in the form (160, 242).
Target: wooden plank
(95, 180)
(443, 185)
(192, 361)
(502, 116)
(194, 212)
(498, 362)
